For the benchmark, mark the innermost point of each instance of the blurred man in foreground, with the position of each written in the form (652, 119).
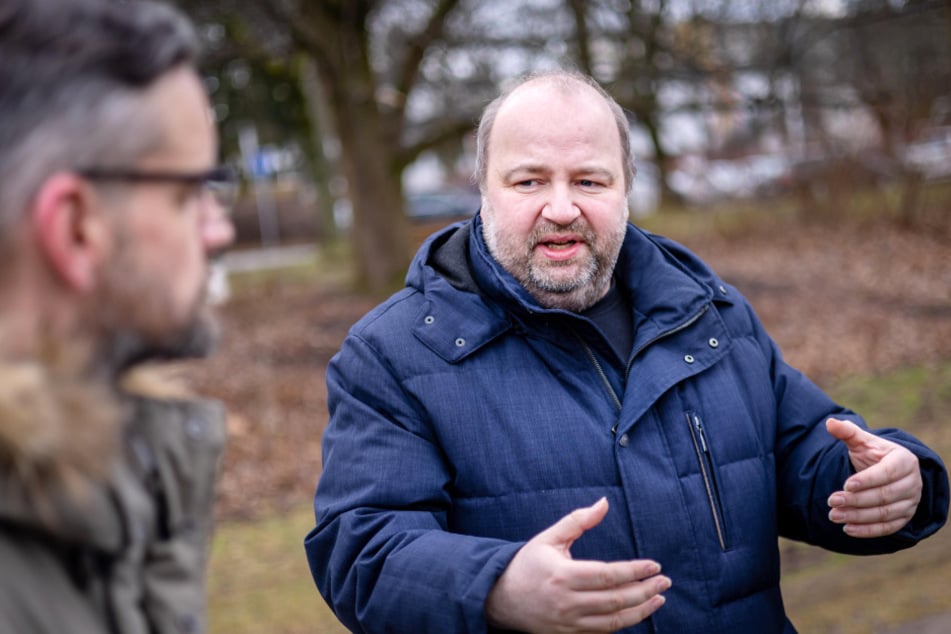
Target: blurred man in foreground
(565, 424)
(107, 216)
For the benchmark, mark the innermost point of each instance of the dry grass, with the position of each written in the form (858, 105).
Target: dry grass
(259, 582)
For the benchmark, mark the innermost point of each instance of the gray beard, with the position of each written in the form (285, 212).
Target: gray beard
(573, 295)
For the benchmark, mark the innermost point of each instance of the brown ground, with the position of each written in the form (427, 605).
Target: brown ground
(839, 299)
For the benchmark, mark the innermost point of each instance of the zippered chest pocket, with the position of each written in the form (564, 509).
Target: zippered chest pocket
(708, 472)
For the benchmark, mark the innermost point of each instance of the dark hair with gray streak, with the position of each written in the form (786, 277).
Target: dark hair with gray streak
(567, 79)
(72, 77)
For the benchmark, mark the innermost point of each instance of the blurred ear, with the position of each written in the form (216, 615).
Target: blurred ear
(70, 230)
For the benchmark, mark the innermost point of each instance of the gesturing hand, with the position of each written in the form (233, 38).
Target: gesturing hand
(544, 590)
(883, 495)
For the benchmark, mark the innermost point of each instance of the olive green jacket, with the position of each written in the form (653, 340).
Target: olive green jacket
(105, 529)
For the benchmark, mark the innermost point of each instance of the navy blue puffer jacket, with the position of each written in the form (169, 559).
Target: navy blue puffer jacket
(465, 419)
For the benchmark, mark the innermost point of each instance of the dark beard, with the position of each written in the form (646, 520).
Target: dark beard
(125, 313)
(125, 349)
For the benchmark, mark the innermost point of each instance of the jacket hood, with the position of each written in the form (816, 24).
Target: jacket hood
(667, 284)
(58, 433)
(60, 442)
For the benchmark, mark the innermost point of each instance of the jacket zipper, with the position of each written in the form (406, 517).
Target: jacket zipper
(604, 377)
(699, 438)
(627, 371)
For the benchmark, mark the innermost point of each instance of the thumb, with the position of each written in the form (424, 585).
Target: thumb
(572, 526)
(846, 431)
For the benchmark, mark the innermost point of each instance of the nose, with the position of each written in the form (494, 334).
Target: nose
(217, 230)
(560, 206)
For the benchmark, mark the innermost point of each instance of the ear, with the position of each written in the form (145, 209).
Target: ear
(69, 229)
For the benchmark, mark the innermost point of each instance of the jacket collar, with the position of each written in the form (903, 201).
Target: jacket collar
(58, 436)
(471, 299)
(456, 319)
(66, 448)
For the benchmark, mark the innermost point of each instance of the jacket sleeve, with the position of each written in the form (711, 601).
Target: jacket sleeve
(187, 439)
(381, 554)
(811, 465)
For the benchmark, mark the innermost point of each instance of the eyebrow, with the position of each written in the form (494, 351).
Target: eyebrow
(527, 169)
(593, 170)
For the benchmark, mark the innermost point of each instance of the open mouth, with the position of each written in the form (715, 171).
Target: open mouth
(560, 249)
(558, 245)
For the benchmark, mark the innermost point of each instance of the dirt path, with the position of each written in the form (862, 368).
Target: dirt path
(940, 624)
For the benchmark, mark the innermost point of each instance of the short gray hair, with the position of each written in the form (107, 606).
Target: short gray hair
(72, 77)
(568, 79)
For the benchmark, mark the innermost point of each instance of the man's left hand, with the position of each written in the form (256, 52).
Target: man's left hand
(883, 495)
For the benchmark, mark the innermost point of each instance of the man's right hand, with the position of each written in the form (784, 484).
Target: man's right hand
(544, 590)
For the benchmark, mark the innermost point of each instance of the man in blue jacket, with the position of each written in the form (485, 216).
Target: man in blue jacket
(547, 355)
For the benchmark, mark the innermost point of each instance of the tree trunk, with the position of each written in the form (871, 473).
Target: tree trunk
(578, 10)
(321, 168)
(662, 159)
(339, 45)
(380, 230)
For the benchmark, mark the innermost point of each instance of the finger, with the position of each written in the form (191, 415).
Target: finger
(867, 531)
(906, 491)
(619, 598)
(598, 575)
(900, 510)
(572, 526)
(622, 619)
(848, 432)
(908, 487)
(896, 465)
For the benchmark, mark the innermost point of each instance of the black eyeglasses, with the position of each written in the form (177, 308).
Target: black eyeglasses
(221, 181)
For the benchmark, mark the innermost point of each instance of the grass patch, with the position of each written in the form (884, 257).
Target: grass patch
(859, 205)
(736, 217)
(259, 581)
(330, 266)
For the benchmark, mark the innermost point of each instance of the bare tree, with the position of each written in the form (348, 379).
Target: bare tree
(368, 119)
(364, 96)
(900, 70)
(642, 48)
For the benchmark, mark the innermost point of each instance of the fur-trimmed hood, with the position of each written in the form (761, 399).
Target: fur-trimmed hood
(58, 437)
(106, 502)
(60, 441)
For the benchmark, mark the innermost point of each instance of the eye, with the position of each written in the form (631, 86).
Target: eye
(587, 183)
(527, 185)
(189, 193)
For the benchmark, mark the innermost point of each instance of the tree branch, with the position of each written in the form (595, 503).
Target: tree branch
(417, 46)
(306, 34)
(432, 137)
(582, 32)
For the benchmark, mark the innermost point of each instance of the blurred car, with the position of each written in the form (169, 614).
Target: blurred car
(442, 205)
(931, 156)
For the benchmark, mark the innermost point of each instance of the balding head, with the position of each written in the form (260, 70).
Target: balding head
(567, 82)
